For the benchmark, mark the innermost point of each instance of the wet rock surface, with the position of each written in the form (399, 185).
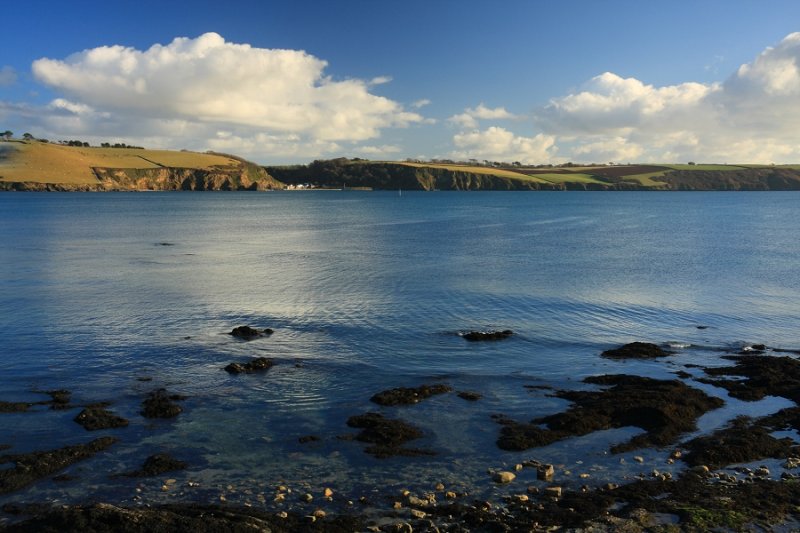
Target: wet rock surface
(409, 395)
(30, 467)
(15, 407)
(663, 408)
(742, 441)
(158, 464)
(636, 350)
(95, 418)
(248, 333)
(386, 435)
(161, 404)
(259, 364)
(470, 396)
(487, 335)
(764, 375)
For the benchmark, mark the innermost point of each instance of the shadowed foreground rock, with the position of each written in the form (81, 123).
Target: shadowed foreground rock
(179, 518)
(765, 375)
(409, 395)
(636, 350)
(663, 408)
(30, 467)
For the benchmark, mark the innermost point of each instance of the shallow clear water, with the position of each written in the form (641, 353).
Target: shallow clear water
(367, 291)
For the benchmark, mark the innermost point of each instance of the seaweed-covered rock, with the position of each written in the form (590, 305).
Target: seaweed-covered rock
(160, 404)
(30, 467)
(259, 364)
(409, 395)
(742, 441)
(765, 375)
(158, 464)
(636, 350)
(470, 396)
(663, 408)
(15, 407)
(487, 335)
(248, 333)
(94, 418)
(386, 435)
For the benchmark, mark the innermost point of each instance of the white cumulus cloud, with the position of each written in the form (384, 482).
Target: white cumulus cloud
(500, 144)
(212, 84)
(750, 117)
(469, 118)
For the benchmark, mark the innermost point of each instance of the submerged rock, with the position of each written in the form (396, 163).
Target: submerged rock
(386, 435)
(663, 408)
(158, 464)
(15, 407)
(248, 333)
(160, 404)
(636, 350)
(94, 418)
(409, 395)
(259, 364)
(30, 467)
(470, 396)
(487, 335)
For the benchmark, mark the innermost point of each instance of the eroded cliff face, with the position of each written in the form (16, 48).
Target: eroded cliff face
(246, 177)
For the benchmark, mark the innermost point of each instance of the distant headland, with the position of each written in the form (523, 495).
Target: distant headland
(36, 165)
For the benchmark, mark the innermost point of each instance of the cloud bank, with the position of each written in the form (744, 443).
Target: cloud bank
(190, 89)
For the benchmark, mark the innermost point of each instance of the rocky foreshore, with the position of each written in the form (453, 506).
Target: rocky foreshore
(740, 476)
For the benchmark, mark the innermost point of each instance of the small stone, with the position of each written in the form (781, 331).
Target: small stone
(610, 486)
(791, 463)
(545, 472)
(439, 486)
(282, 488)
(282, 514)
(531, 463)
(638, 458)
(192, 484)
(553, 492)
(405, 493)
(319, 513)
(450, 495)
(164, 488)
(533, 490)
(521, 497)
(170, 481)
(279, 497)
(222, 498)
(585, 476)
(676, 454)
(762, 471)
(397, 505)
(419, 502)
(307, 497)
(701, 470)
(311, 518)
(503, 477)
(328, 493)
(418, 514)
(518, 467)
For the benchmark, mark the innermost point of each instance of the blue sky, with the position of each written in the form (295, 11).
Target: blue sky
(531, 81)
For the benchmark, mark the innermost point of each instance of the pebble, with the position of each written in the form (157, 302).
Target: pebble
(503, 477)
(164, 488)
(282, 514)
(418, 514)
(307, 497)
(518, 467)
(450, 495)
(192, 484)
(328, 493)
(439, 486)
(222, 498)
(170, 482)
(553, 492)
(319, 513)
(398, 505)
(638, 458)
(545, 472)
(280, 497)
(702, 469)
(521, 497)
(533, 490)
(791, 463)
(584, 476)
(419, 502)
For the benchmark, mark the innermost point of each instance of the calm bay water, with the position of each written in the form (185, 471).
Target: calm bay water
(367, 291)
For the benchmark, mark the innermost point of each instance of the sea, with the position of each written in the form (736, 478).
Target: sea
(114, 295)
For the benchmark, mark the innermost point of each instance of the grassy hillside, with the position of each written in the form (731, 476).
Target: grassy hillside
(34, 165)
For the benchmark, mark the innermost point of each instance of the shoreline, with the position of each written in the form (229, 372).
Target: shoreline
(707, 490)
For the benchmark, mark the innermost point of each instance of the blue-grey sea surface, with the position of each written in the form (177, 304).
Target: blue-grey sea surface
(114, 295)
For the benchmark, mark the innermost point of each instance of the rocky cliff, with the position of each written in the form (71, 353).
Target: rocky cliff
(246, 176)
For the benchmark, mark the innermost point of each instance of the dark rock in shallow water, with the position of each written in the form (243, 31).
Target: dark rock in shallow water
(308, 438)
(30, 467)
(743, 441)
(487, 335)
(160, 404)
(94, 418)
(408, 395)
(386, 435)
(247, 333)
(469, 396)
(664, 409)
(636, 350)
(158, 464)
(15, 407)
(60, 398)
(259, 364)
(766, 375)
